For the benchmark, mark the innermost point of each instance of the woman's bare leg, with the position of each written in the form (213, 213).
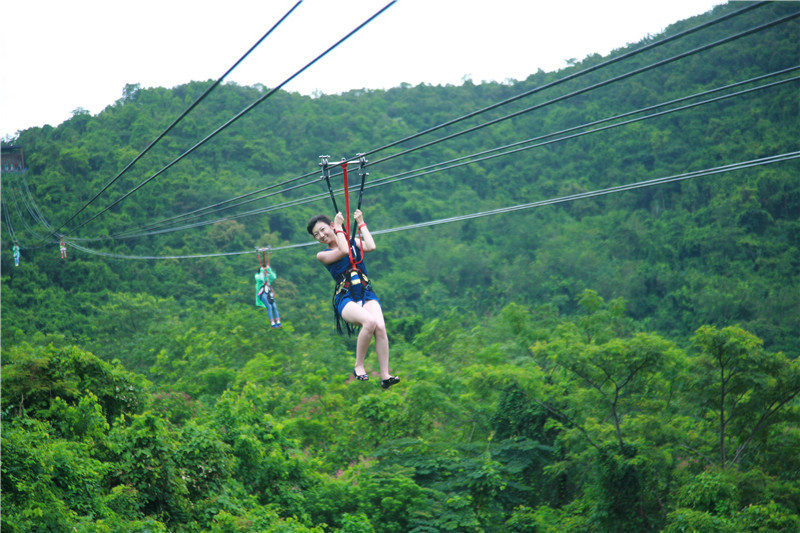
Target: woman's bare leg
(381, 337)
(370, 318)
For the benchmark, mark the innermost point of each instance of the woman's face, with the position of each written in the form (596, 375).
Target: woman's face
(324, 233)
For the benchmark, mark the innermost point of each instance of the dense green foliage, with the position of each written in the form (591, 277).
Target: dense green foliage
(621, 363)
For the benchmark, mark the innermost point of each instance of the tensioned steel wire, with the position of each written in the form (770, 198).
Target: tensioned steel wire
(214, 208)
(236, 117)
(750, 31)
(180, 117)
(601, 192)
(501, 151)
(34, 213)
(469, 115)
(30, 204)
(588, 70)
(6, 210)
(494, 212)
(615, 79)
(476, 159)
(486, 155)
(9, 226)
(39, 239)
(31, 212)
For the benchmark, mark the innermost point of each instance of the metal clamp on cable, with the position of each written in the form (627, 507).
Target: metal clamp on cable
(323, 162)
(362, 164)
(326, 175)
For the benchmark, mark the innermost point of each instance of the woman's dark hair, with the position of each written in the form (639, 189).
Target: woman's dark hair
(313, 222)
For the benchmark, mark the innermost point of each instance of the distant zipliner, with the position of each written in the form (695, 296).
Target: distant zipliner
(62, 246)
(354, 300)
(16, 253)
(265, 295)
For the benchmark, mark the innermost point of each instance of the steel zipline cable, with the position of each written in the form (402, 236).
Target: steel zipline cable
(496, 152)
(485, 155)
(448, 165)
(6, 214)
(445, 124)
(387, 180)
(615, 79)
(235, 117)
(31, 212)
(601, 192)
(789, 156)
(515, 147)
(179, 118)
(210, 209)
(6, 210)
(41, 239)
(30, 205)
(485, 109)
(9, 226)
(571, 76)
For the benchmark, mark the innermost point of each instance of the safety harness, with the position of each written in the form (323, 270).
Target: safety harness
(263, 260)
(354, 277)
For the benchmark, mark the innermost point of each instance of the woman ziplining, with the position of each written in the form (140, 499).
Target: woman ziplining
(354, 300)
(265, 295)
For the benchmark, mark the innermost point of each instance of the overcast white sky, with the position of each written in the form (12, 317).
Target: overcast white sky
(59, 55)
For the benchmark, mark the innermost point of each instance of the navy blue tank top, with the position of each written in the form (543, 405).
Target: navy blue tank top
(338, 268)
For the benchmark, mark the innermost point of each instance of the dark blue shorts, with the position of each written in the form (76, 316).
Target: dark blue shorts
(356, 294)
(345, 298)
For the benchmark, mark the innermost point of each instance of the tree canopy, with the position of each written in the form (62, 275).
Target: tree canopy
(589, 357)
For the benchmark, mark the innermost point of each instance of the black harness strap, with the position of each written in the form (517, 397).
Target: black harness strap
(362, 163)
(326, 173)
(345, 284)
(263, 260)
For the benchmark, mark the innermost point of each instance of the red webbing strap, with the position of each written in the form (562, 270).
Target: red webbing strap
(346, 201)
(362, 162)
(263, 258)
(346, 228)
(362, 253)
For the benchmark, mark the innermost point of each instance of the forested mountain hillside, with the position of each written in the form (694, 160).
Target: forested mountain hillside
(590, 279)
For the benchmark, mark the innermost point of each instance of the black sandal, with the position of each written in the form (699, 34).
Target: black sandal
(391, 380)
(361, 377)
